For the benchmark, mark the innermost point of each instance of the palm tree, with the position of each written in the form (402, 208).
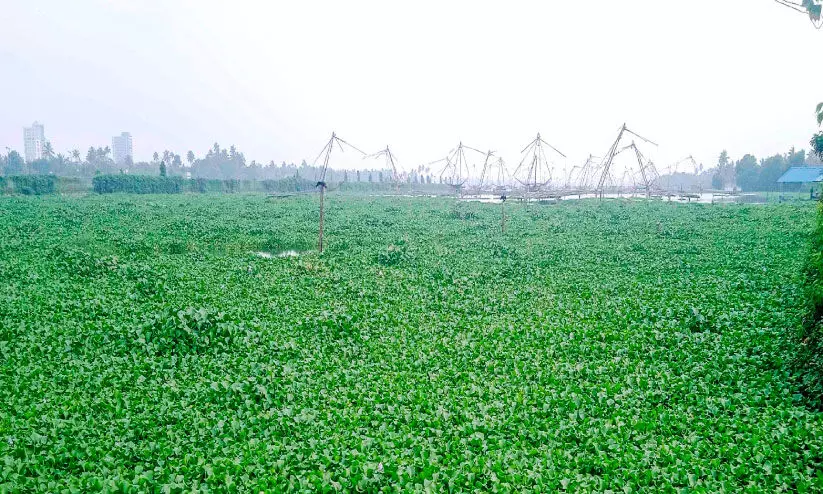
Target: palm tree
(75, 154)
(190, 157)
(48, 150)
(60, 166)
(155, 156)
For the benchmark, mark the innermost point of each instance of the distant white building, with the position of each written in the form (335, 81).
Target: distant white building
(121, 147)
(34, 139)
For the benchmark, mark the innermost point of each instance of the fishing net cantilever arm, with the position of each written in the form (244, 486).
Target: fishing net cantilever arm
(339, 141)
(554, 148)
(325, 153)
(641, 137)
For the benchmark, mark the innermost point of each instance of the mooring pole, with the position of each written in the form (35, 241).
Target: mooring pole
(322, 186)
(503, 214)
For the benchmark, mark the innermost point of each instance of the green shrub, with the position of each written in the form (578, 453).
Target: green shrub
(147, 184)
(30, 185)
(41, 185)
(137, 184)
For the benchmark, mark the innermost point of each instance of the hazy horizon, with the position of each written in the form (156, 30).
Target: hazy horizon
(276, 80)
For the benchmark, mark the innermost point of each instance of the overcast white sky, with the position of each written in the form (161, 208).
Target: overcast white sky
(276, 77)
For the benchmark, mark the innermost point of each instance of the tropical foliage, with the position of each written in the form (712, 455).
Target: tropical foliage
(817, 139)
(217, 164)
(749, 174)
(814, 8)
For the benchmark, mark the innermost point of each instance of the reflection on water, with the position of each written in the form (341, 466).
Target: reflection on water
(285, 253)
(698, 198)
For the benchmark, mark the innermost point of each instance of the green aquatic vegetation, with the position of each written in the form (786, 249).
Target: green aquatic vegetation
(809, 361)
(186, 331)
(394, 254)
(145, 345)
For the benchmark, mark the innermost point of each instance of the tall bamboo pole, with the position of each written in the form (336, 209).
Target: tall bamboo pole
(321, 181)
(502, 214)
(322, 217)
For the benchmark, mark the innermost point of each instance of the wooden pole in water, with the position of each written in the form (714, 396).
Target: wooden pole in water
(321, 182)
(503, 214)
(322, 186)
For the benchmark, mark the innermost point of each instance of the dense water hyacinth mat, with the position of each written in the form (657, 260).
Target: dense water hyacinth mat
(145, 345)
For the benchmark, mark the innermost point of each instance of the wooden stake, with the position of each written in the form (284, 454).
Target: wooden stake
(322, 215)
(321, 182)
(503, 214)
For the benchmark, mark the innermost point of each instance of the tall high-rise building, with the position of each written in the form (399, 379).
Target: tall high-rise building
(34, 138)
(121, 147)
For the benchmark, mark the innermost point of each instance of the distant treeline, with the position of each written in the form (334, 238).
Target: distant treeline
(748, 174)
(150, 184)
(217, 164)
(229, 168)
(146, 184)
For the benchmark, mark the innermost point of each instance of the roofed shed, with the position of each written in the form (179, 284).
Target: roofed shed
(802, 175)
(797, 175)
